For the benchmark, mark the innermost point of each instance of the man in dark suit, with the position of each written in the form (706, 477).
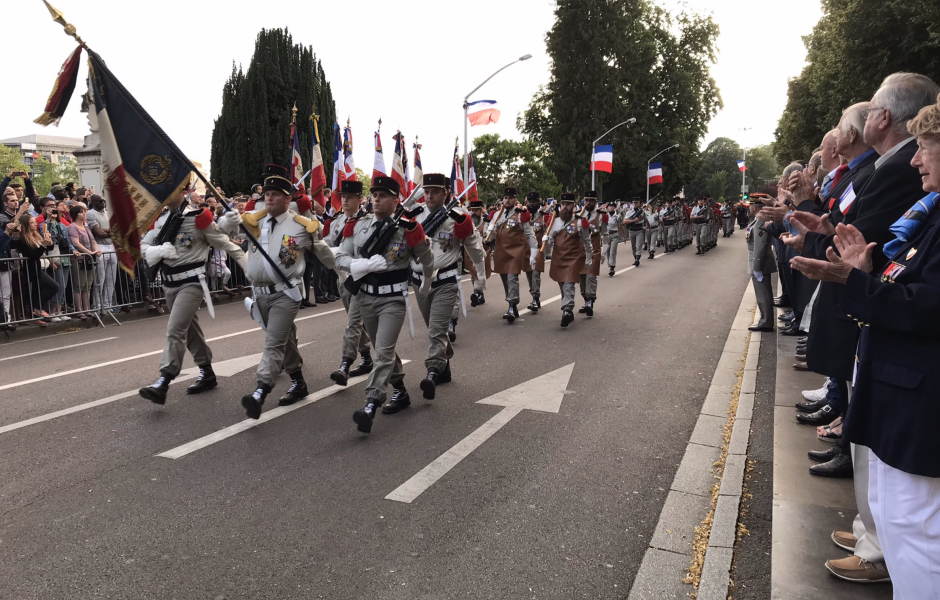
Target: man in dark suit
(872, 208)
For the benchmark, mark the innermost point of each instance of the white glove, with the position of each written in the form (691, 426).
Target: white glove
(360, 267)
(532, 262)
(544, 238)
(155, 254)
(588, 262)
(425, 286)
(759, 276)
(602, 258)
(231, 220)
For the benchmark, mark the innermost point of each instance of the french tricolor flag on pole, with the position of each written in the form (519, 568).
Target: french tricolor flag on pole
(741, 166)
(482, 112)
(603, 159)
(654, 173)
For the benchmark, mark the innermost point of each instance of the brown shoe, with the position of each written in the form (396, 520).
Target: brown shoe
(844, 540)
(801, 366)
(855, 569)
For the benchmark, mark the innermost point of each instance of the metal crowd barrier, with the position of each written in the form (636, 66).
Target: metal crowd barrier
(25, 289)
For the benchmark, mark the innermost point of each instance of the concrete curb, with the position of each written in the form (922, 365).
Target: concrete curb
(670, 551)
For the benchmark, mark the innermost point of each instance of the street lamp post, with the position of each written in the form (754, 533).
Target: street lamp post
(594, 146)
(744, 160)
(648, 170)
(466, 107)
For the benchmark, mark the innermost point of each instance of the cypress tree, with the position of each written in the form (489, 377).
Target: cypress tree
(253, 127)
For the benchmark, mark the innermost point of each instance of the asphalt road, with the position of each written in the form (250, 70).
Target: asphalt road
(551, 506)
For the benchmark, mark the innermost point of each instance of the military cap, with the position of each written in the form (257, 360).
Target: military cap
(510, 192)
(567, 197)
(591, 194)
(436, 180)
(534, 196)
(386, 184)
(276, 178)
(351, 187)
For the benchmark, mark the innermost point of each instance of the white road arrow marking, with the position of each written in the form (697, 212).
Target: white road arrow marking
(280, 411)
(226, 368)
(544, 393)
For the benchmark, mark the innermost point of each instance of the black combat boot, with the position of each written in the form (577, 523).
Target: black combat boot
(636, 261)
(297, 391)
(589, 308)
(452, 330)
(611, 272)
(535, 305)
(652, 254)
(566, 317)
(512, 314)
(400, 400)
(364, 367)
(253, 401)
(445, 376)
(584, 308)
(363, 418)
(156, 393)
(341, 375)
(205, 381)
(429, 384)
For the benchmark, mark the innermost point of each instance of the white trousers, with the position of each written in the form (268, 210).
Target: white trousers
(907, 512)
(864, 528)
(107, 274)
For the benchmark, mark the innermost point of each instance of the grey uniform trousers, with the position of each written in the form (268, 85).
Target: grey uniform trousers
(637, 237)
(699, 230)
(535, 283)
(511, 285)
(728, 223)
(588, 286)
(652, 238)
(765, 300)
(280, 340)
(383, 318)
(567, 295)
(436, 308)
(672, 236)
(183, 330)
(355, 337)
(609, 250)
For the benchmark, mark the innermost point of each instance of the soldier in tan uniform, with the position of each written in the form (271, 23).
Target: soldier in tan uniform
(183, 266)
(512, 233)
(383, 292)
(355, 337)
(568, 244)
(534, 204)
(284, 235)
(635, 221)
(596, 222)
(479, 283)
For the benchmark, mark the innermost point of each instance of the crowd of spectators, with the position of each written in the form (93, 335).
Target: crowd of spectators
(858, 249)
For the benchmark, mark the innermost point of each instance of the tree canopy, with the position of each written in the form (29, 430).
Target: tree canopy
(500, 162)
(616, 59)
(253, 128)
(853, 47)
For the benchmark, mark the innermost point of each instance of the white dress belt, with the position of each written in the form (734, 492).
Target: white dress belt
(385, 289)
(186, 274)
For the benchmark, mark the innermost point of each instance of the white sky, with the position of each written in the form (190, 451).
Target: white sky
(175, 61)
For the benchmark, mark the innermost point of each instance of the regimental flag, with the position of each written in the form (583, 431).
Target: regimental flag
(472, 195)
(847, 198)
(61, 91)
(141, 165)
(482, 112)
(339, 168)
(456, 177)
(296, 166)
(603, 159)
(419, 172)
(741, 166)
(317, 173)
(378, 165)
(350, 166)
(406, 191)
(654, 173)
(398, 170)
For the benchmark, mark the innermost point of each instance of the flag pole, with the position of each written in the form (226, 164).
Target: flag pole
(58, 17)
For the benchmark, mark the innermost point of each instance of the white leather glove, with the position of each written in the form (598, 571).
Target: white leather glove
(759, 276)
(544, 238)
(155, 254)
(532, 262)
(360, 267)
(377, 264)
(588, 262)
(232, 219)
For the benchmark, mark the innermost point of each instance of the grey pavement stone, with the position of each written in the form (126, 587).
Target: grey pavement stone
(695, 475)
(660, 577)
(725, 522)
(677, 522)
(732, 480)
(737, 343)
(707, 431)
(739, 437)
(745, 406)
(715, 574)
(725, 377)
(753, 353)
(749, 382)
(717, 401)
(729, 361)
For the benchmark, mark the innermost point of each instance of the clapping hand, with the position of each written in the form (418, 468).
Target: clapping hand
(853, 253)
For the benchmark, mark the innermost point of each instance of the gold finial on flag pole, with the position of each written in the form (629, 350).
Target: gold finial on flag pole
(380, 123)
(59, 18)
(294, 112)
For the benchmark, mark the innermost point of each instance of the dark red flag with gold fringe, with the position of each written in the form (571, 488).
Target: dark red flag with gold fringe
(62, 91)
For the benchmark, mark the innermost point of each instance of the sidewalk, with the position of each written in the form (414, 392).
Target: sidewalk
(806, 509)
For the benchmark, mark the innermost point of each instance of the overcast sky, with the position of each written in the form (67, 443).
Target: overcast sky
(175, 60)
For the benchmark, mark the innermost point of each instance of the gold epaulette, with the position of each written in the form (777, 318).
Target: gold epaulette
(311, 225)
(252, 219)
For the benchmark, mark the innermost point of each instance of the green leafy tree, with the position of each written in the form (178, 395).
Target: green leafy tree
(11, 159)
(719, 185)
(720, 156)
(366, 180)
(253, 128)
(853, 47)
(762, 167)
(501, 162)
(615, 59)
(45, 173)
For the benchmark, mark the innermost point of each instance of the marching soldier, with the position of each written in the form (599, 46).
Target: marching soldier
(534, 205)
(355, 337)
(699, 219)
(377, 252)
(512, 233)
(568, 243)
(652, 230)
(727, 218)
(635, 220)
(451, 233)
(274, 304)
(479, 279)
(612, 239)
(597, 223)
(182, 258)
(669, 215)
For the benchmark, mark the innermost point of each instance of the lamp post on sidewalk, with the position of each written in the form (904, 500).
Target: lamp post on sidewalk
(594, 146)
(466, 107)
(744, 160)
(648, 170)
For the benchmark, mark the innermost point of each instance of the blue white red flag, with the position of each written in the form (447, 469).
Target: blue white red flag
(339, 169)
(419, 172)
(741, 166)
(603, 159)
(350, 166)
(398, 170)
(317, 173)
(482, 112)
(654, 174)
(296, 166)
(378, 165)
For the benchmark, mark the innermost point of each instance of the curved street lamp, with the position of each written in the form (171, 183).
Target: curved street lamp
(648, 170)
(466, 106)
(594, 146)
